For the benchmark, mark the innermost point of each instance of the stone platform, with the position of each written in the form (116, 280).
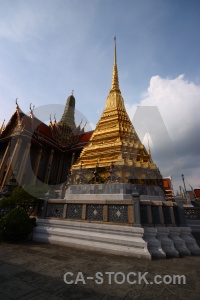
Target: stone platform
(113, 191)
(148, 242)
(115, 218)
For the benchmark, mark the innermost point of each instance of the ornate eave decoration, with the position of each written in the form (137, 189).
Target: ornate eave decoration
(63, 135)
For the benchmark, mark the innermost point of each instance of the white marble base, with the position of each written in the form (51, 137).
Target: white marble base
(147, 242)
(114, 239)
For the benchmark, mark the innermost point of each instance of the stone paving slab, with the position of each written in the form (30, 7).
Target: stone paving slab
(33, 271)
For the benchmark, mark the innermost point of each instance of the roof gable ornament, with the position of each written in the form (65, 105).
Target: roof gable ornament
(20, 127)
(31, 111)
(2, 127)
(17, 106)
(50, 121)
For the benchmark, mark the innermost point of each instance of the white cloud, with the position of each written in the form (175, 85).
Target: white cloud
(178, 102)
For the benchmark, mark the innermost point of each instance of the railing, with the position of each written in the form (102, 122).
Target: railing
(106, 211)
(33, 211)
(159, 213)
(192, 213)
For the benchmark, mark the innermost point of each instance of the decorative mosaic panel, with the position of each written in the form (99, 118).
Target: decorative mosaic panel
(192, 213)
(74, 211)
(118, 213)
(167, 215)
(143, 214)
(55, 210)
(155, 214)
(94, 212)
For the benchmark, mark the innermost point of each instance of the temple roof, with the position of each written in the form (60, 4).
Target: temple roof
(30, 126)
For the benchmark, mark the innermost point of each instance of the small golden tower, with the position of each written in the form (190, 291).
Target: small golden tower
(115, 144)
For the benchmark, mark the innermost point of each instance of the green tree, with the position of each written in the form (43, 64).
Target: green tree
(16, 224)
(24, 198)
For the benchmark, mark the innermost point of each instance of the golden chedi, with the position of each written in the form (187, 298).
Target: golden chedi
(114, 151)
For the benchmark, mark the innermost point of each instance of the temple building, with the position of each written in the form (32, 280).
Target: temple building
(115, 152)
(32, 152)
(61, 152)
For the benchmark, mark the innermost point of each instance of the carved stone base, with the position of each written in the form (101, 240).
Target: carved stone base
(179, 243)
(191, 243)
(166, 243)
(147, 242)
(114, 239)
(154, 245)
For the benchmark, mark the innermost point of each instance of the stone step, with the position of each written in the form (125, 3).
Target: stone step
(94, 246)
(98, 237)
(95, 236)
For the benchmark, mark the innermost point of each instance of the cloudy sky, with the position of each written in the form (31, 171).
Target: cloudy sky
(49, 48)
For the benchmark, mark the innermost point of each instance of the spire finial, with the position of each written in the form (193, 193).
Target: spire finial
(115, 54)
(115, 81)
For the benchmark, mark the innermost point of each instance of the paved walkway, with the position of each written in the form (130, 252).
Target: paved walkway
(35, 271)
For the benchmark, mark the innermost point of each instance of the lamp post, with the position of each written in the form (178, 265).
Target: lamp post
(184, 186)
(180, 188)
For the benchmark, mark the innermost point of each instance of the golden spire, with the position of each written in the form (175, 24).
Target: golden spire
(115, 142)
(115, 81)
(115, 53)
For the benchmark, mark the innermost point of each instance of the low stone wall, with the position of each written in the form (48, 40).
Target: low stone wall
(140, 228)
(106, 211)
(161, 213)
(192, 215)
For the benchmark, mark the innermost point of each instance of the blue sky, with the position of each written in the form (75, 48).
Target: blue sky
(49, 48)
